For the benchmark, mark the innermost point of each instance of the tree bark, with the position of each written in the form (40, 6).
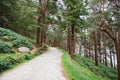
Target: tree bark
(38, 30)
(80, 48)
(95, 46)
(71, 40)
(111, 61)
(38, 37)
(116, 38)
(104, 48)
(99, 49)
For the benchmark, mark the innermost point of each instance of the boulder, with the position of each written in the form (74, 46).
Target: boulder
(23, 49)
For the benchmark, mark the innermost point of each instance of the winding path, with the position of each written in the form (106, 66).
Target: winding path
(45, 67)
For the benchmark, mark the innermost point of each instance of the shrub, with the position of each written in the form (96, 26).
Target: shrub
(28, 56)
(30, 46)
(4, 47)
(17, 40)
(8, 33)
(38, 53)
(6, 62)
(22, 42)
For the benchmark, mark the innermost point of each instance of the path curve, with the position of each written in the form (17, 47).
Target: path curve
(45, 67)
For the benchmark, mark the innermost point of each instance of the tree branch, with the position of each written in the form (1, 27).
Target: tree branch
(105, 28)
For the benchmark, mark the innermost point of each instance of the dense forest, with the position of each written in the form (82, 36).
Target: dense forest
(90, 28)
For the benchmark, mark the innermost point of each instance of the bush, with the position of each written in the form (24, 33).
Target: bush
(30, 46)
(6, 62)
(22, 42)
(4, 47)
(38, 53)
(28, 56)
(5, 32)
(17, 40)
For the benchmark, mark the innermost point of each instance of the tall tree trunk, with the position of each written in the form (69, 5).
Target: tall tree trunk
(68, 42)
(111, 61)
(104, 48)
(71, 40)
(95, 46)
(38, 30)
(118, 57)
(117, 46)
(80, 48)
(93, 54)
(100, 54)
(38, 37)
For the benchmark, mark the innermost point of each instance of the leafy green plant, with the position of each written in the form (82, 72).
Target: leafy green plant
(8, 33)
(30, 46)
(6, 62)
(28, 56)
(5, 47)
(16, 39)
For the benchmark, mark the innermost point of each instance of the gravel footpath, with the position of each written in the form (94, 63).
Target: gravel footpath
(44, 67)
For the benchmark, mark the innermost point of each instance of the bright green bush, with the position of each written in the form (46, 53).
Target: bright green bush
(5, 47)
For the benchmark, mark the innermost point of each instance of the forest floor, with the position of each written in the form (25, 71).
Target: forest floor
(44, 67)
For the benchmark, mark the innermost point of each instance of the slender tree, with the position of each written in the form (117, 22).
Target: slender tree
(73, 10)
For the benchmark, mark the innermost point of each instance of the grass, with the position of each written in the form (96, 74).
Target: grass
(3, 55)
(76, 71)
(100, 70)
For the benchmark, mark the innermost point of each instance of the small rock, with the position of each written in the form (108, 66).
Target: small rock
(23, 49)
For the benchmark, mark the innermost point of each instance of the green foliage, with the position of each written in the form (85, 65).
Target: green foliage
(38, 53)
(5, 63)
(100, 70)
(29, 45)
(22, 42)
(15, 40)
(76, 71)
(52, 7)
(75, 9)
(28, 56)
(8, 33)
(19, 16)
(8, 61)
(5, 47)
